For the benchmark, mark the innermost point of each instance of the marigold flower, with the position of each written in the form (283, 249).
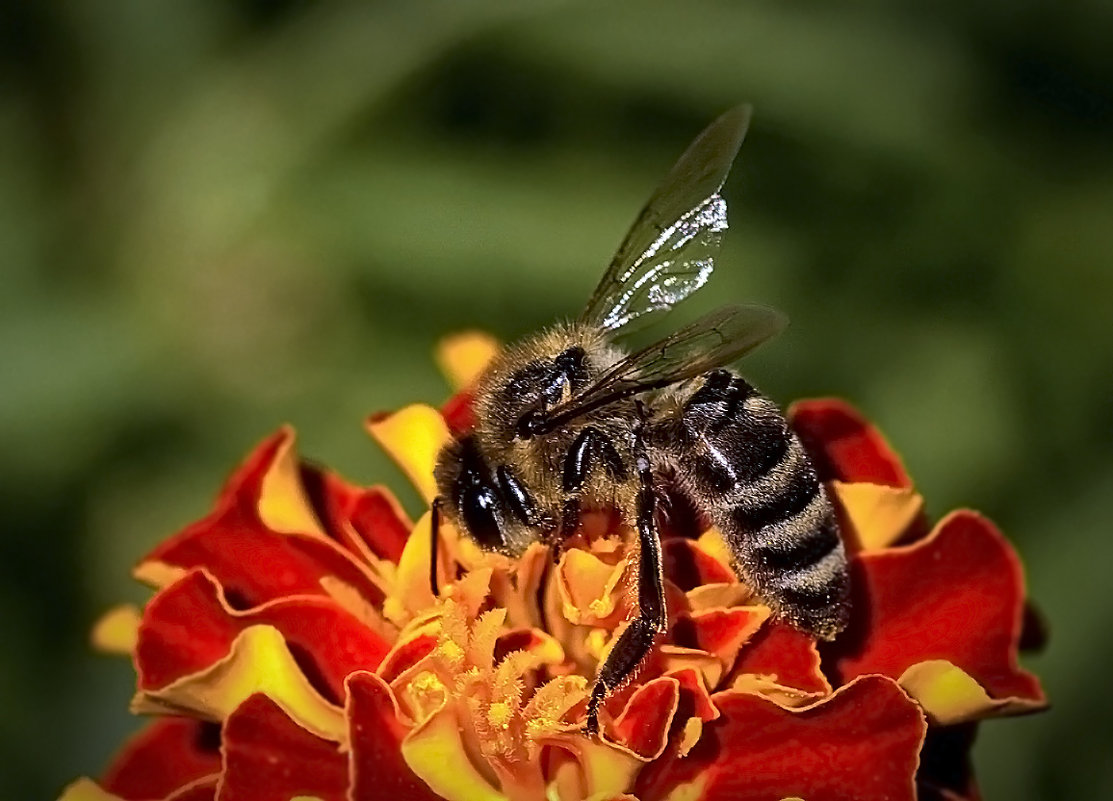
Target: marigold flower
(294, 648)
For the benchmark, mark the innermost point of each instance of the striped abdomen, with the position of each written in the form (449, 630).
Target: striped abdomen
(741, 464)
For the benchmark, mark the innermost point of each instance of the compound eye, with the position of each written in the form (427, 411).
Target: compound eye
(479, 506)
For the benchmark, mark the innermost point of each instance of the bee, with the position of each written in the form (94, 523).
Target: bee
(568, 421)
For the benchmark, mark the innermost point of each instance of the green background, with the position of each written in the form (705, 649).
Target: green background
(216, 217)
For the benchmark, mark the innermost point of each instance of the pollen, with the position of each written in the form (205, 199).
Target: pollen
(545, 711)
(450, 652)
(596, 642)
(426, 694)
(499, 715)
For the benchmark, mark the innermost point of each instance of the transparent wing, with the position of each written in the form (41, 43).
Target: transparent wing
(714, 340)
(670, 249)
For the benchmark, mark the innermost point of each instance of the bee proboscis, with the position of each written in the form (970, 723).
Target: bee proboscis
(568, 421)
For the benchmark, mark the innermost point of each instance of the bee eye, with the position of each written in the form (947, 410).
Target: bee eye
(479, 506)
(529, 424)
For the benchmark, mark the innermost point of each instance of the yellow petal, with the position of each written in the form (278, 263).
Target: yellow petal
(950, 695)
(117, 630)
(435, 752)
(693, 730)
(412, 592)
(607, 770)
(689, 791)
(676, 657)
(545, 711)
(712, 543)
(718, 595)
(879, 515)
(588, 586)
(355, 602)
(259, 661)
(412, 437)
(86, 790)
(768, 688)
(463, 357)
(472, 590)
(157, 574)
(283, 505)
(517, 590)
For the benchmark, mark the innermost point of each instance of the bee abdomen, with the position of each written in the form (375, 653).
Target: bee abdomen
(785, 537)
(752, 476)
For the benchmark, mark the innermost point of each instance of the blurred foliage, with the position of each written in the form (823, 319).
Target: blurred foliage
(219, 216)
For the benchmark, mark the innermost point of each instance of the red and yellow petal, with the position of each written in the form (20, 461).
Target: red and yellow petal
(189, 626)
(162, 757)
(412, 437)
(643, 727)
(944, 616)
(861, 742)
(719, 632)
(876, 516)
(368, 521)
(259, 661)
(782, 663)
(117, 630)
(688, 565)
(263, 541)
(591, 589)
(463, 357)
(844, 446)
(269, 757)
(375, 735)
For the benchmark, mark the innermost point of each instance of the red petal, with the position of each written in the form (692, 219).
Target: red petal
(844, 446)
(689, 566)
(695, 701)
(459, 412)
(643, 726)
(788, 655)
(372, 513)
(378, 769)
(268, 757)
(163, 756)
(718, 631)
(957, 595)
(201, 790)
(406, 655)
(186, 628)
(862, 742)
(251, 562)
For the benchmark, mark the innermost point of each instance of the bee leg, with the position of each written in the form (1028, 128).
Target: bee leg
(591, 445)
(636, 641)
(434, 542)
(569, 520)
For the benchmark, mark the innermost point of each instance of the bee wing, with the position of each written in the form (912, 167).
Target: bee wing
(714, 340)
(670, 249)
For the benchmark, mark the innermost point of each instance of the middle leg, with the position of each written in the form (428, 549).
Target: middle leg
(652, 619)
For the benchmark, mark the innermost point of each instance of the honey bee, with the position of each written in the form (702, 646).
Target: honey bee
(567, 421)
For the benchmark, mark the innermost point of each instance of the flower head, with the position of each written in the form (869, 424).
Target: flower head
(294, 647)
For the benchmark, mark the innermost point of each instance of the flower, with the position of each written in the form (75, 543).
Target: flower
(294, 648)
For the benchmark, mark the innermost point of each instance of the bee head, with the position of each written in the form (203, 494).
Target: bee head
(536, 387)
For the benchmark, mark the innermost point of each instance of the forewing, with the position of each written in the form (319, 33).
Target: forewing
(712, 341)
(670, 249)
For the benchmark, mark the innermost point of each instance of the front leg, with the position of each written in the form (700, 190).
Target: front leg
(591, 446)
(652, 619)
